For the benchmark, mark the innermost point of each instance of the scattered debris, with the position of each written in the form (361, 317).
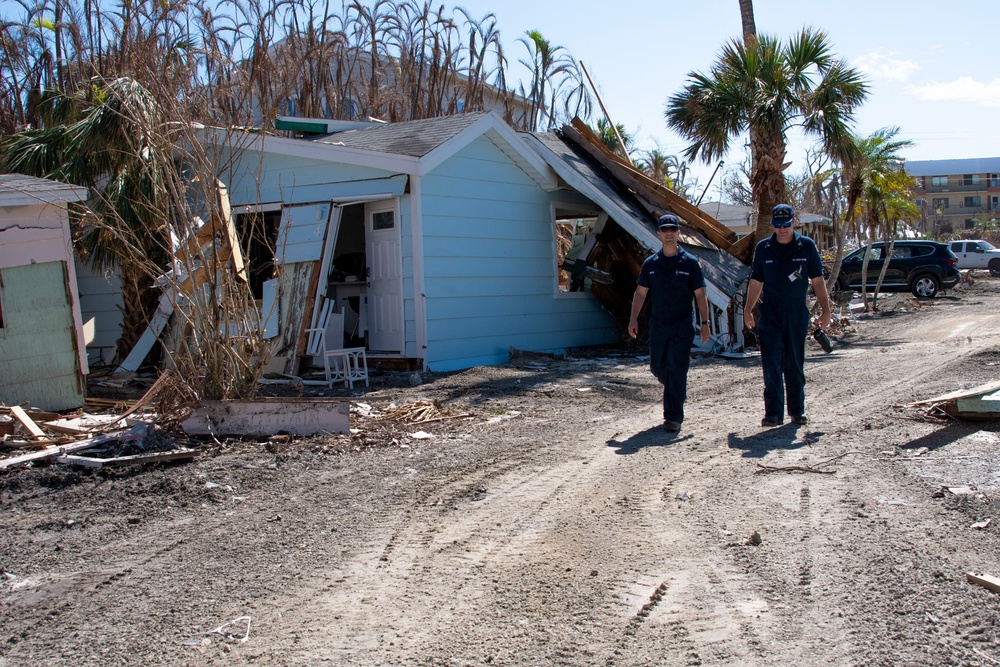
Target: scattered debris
(152, 457)
(980, 403)
(979, 525)
(751, 540)
(135, 445)
(763, 469)
(220, 631)
(421, 412)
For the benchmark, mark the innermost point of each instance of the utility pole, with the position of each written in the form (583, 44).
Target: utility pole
(614, 128)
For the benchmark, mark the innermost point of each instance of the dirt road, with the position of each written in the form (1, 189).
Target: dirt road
(557, 526)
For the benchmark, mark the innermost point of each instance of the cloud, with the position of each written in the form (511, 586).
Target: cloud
(883, 65)
(962, 89)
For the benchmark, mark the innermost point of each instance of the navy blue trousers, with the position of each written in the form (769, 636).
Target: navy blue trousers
(669, 359)
(782, 356)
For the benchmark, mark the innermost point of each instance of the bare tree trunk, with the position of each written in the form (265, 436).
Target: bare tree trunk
(889, 240)
(746, 15)
(767, 180)
(750, 42)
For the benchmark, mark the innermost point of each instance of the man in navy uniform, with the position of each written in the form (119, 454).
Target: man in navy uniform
(675, 279)
(784, 265)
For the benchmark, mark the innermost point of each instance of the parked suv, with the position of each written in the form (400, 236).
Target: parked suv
(977, 255)
(921, 267)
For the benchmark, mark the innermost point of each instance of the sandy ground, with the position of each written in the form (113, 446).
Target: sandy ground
(556, 525)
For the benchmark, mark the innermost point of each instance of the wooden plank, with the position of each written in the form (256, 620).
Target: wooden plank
(20, 415)
(743, 249)
(36, 415)
(47, 453)
(984, 580)
(226, 212)
(152, 457)
(149, 337)
(148, 396)
(137, 432)
(66, 429)
(269, 417)
(981, 390)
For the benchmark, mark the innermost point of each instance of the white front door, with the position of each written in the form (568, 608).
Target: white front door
(385, 278)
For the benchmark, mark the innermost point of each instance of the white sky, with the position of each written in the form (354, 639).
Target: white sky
(931, 65)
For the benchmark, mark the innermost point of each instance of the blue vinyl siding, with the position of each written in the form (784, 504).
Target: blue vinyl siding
(488, 244)
(300, 237)
(293, 180)
(489, 266)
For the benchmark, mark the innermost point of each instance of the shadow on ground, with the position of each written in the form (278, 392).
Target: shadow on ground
(651, 437)
(948, 435)
(758, 445)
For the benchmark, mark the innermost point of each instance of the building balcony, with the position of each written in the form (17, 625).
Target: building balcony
(956, 187)
(960, 211)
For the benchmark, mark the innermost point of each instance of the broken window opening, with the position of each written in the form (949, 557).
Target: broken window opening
(258, 235)
(571, 237)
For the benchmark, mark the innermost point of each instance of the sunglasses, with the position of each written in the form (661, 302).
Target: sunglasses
(670, 229)
(783, 224)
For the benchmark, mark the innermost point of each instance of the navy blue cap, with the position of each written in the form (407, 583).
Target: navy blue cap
(782, 213)
(668, 220)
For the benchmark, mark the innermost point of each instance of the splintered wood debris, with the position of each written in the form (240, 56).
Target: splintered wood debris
(980, 403)
(421, 412)
(86, 439)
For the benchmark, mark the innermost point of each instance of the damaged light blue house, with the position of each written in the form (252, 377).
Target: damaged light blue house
(444, 242)
(436, 238)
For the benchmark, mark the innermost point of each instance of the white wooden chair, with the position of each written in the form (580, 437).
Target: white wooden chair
(347, 365)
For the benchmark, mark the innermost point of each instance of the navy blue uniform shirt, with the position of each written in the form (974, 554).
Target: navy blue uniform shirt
(671, 282)
(785, 270)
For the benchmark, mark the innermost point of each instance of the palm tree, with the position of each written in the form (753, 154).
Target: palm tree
(555, 78)
(766, 87)
(610, 140)
(109, 150)
(656, 164)
(746, 18)
(879, 192)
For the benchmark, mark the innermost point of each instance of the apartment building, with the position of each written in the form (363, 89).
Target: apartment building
(951, 193)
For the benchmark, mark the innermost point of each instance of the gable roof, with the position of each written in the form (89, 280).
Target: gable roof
(21, 190)
(415, 138)
(579, 171)
(411, 147)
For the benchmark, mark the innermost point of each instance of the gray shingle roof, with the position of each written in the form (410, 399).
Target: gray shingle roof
(18, 189)
(414, 138)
